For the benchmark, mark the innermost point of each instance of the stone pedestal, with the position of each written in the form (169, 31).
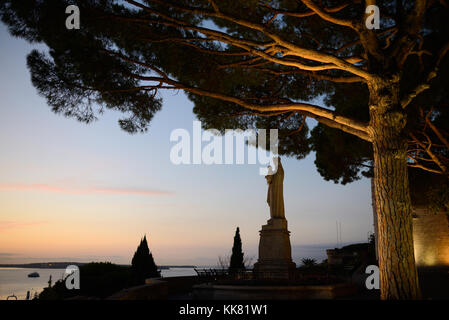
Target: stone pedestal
(275, 253)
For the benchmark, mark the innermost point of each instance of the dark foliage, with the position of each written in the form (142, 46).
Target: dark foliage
(142, 265)
(80, 77)
(97, 280)
(308, 262)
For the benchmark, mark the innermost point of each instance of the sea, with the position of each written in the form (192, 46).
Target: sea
(15, 283)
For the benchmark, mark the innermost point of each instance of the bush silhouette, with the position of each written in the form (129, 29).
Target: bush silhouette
(143, 266)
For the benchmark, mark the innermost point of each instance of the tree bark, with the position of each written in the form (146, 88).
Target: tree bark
(398, 274)
(376, 229)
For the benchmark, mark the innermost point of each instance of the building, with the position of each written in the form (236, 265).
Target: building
(430, 237)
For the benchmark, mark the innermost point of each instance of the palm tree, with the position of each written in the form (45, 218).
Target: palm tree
(308, 262)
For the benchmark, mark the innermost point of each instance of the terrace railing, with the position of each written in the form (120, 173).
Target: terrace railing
(249, 274)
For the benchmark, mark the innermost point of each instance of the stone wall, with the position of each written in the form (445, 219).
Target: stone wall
(153, 289)
(158, 289)
(431, 237)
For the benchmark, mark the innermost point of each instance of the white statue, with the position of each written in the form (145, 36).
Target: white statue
(275, 195)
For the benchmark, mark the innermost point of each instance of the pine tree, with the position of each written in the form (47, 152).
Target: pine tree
(256, 65)
(236, 262)
(143, 265)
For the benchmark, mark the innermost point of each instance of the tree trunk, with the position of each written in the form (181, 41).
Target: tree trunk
(376, 229)
(398, 274)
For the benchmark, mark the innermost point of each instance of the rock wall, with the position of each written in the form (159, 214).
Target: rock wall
(431, 237)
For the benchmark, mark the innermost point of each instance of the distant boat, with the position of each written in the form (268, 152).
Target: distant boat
(34, 275)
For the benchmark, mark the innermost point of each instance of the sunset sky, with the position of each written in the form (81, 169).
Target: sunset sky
(71, 191)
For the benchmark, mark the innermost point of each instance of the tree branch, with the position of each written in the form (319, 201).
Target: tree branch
(314, 75)
(427, 149)
(304, 14)
(405, 101)
(326, 16)
(321, 114)
(332, 62)
(408, 32)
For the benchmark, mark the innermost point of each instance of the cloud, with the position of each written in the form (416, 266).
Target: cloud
(7, 254)
(8, 225)
(87, 190)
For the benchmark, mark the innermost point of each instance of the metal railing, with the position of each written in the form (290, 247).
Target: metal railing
(298, 276)
(212, 273)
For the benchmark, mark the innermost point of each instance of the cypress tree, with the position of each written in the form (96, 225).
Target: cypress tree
(143, 265)
(236, 262)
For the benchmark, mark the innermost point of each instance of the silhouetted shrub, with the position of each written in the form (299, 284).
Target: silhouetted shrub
(97, 279)
(143, 266)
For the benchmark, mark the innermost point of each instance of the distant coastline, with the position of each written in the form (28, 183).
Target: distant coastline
(63, 265)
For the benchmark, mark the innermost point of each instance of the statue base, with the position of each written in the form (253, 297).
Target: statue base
(275, 253)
